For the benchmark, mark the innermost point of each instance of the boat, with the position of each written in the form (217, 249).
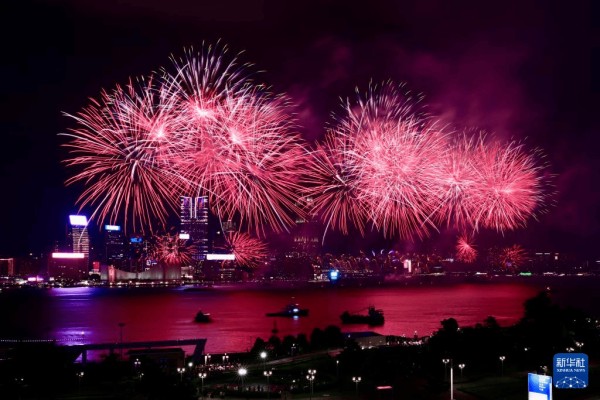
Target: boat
(202, 317)
(291, 310)
(373, 317)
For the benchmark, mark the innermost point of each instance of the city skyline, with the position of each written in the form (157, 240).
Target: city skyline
(479, 76)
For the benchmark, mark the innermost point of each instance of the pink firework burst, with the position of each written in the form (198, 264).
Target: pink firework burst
(513, 257)
(248, 251)
(465, 251)
(457, 183)
(171, 250)
(380, 161)
(121, 149)
(334, 186)
(510, 186)
(247, 158)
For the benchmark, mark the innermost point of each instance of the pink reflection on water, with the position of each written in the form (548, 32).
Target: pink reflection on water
(239, 314)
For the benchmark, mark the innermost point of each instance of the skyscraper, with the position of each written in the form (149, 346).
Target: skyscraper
(114, 246)
(194, 224)
(79, 239)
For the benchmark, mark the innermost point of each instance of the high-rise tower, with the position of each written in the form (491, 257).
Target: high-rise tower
(114, 246)
(79, 240)
(194, 224)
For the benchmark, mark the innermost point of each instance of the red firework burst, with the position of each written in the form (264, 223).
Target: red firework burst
(334, 187)
(248, 251)
(171, 250)
(509, 185)
(122, 146)
(513, 257)
(457, 184)
(247, 159)
(380, 162)
(465, 251)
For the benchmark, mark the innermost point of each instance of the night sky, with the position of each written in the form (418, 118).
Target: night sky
(523, 70)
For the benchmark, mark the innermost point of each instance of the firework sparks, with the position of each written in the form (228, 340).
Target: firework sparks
(334, 188)
(248, 251)
(248, 161)
(509, 185)
(465, 251)
(513, 257)
(121, 147)
(378, 165)
(206, 128)
(171, 250)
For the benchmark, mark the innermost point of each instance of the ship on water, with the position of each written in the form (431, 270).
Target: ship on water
(374, 317)
(291, 310)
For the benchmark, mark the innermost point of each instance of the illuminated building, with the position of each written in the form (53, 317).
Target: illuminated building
(114, 247)
(137, 253)
(68, 266)
(306, 236)
(79, 240)
(194, 224)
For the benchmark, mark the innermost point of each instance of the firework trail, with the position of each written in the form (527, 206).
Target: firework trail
(465, 251)
(120, 148)
(248, 251)
(171, 250)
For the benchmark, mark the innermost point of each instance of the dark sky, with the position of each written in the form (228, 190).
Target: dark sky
(524, 70)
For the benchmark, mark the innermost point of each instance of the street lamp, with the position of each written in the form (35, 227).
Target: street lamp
(356, 380)
(502, 358)
(202, 375)
(461, 366)
(181, 370)
(310, 378)
(263, 356)
(206, 359)
(79, 376)
(337, 369)
(136, 364)
(242, 373)
(225, 358)
(445, 361)
(268, 375)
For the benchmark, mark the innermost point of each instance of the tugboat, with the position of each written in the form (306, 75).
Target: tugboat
(291, 310)
(202, 317)
(373, 318)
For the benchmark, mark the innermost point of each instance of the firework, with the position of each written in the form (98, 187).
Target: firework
(509, 185)
(457, 184)
(380, 164)
(465, 251)
(121, 147)
(205, 128)
(513, 257)
(248, 251)
(171, 250)
(334, 187)
(247, 159)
